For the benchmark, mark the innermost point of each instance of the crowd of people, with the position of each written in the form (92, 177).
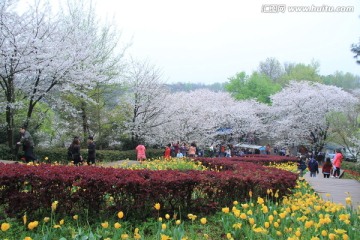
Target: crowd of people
(330, 168)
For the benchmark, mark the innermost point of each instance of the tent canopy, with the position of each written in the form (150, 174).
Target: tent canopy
(250, 146)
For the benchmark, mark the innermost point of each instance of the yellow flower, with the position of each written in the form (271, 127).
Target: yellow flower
(27, 238)
(298, 233)
(332, 236)
(25, 219)
(165, 237)
(54, 206)
(137, 236)
(46, 219)
(260, 200)
(308, 224)
(167, 216)
(56, 226)
(178, 222)
(267, 224)
(46, 158)
(160, 219)
(105, 224)
(203, 221)
(265, 209)
(271, 218)
(324, 233)
(225, 210)
(124, 236)
(192, 216)
(250, 193)
(163, 226)
(278, 233)
(117, 225)
(235, 202)
(348, 200)
(33, 225)
(75, 217)
(276, 224)
(61, 222)
(237, 225)
(315, 238)
(245, 206)
(120, 215)
(243, 216)
(5, 227)
(340, 231)
(157, 206)
(251, 221)
(206, 236)
(228, 236)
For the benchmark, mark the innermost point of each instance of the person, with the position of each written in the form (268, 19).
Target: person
(337, 163)
(267, 149)
(75, 151)
(313, 167)
(167, 152)
(326, 168)
(179, 154)
(140, 152)
(301, 165)
(91, 151)
(192, 150)
(27, 143)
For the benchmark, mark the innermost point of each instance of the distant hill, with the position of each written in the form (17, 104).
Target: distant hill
(187, 87)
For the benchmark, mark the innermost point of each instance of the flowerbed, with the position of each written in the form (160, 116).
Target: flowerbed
(32, 189)
(300, 215)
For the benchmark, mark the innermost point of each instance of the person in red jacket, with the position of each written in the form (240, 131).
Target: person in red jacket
(167, 152)
(337, 163)
(326, 168)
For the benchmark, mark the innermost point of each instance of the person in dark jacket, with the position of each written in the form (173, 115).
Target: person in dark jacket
(91, 151)
(75, 151)
(313, 167)
(28, 145)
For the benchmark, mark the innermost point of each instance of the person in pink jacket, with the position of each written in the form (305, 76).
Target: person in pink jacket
(337, 163)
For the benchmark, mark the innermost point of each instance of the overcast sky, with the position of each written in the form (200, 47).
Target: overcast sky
(207, 41)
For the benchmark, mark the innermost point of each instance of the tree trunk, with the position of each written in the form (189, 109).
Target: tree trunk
(10, 98)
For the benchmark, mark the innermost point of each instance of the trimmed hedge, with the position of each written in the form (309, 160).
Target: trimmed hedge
(60, 154)
(104, 191)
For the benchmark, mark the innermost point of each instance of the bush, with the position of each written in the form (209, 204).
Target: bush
(30, 188)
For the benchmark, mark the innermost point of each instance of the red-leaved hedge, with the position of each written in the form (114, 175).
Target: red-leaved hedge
(104, 191)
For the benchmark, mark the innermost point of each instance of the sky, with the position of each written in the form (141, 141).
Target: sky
(208, 41)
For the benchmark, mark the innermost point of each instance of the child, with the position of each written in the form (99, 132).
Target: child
(326, 168)
(313, 167)
(301, 165)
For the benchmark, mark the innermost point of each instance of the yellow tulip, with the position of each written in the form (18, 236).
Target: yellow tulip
(46, 219)
(5, 227)
(260, 200)
(33, 225)
(105, 224)
(120, 215)
(61, 222)
(163, 226)
(203, 221)
(124, 236)
(27, 238)
(54, 206)
(324, 233)
(225, 210)
(117, 225)
(178, 222)
(75, 217)
(167, 216)
(157, 206)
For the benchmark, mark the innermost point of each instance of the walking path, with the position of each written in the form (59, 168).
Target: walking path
(335, 189)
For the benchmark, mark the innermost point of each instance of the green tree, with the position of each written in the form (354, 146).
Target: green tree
(301, 71)
(343, 80)
(257, 86)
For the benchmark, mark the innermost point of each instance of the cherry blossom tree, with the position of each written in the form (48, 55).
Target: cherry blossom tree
(198, 115)
(44, 57)
(299, 113)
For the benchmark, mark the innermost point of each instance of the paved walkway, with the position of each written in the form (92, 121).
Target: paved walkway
(338, 188)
